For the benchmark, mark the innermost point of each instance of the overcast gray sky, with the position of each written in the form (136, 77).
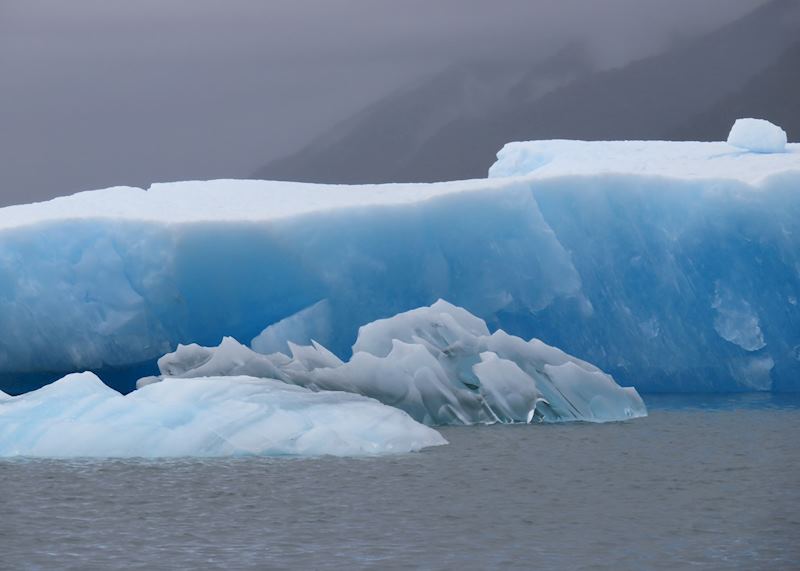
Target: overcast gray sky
(97, 93)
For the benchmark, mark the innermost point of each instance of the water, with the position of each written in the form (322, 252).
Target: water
(708, 483)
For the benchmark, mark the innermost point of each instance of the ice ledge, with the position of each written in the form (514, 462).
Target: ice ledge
(230, 201)
(670, 159)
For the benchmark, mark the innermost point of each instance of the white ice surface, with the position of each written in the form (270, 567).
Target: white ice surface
(441, 365)
(227, 201)
(79, 416)
(669, 159)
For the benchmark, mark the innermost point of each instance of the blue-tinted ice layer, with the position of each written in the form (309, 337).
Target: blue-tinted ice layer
(672, 266)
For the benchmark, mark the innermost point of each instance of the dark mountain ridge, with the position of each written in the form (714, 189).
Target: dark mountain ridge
(693, 91)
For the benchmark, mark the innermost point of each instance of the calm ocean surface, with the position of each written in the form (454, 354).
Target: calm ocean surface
(702, 483)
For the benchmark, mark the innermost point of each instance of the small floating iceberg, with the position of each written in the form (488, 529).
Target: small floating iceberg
(79, 416)
(757, 136)
(439, 364)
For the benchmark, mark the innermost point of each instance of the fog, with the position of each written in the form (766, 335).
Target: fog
(97, 93)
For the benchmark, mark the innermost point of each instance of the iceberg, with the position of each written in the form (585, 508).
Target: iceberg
(79, 416)
(439, 364)
(671, 266)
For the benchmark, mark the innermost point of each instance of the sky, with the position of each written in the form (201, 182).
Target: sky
(98, 93)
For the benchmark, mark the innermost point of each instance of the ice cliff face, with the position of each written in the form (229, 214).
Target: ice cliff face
(688, 255)
(672, 266)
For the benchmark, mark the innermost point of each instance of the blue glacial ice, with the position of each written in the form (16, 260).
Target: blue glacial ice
(440, 364)
(671, 266)
(79, 416)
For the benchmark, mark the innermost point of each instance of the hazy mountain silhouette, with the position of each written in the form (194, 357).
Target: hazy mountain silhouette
(452, 126)
(380, 142)
(772, 94)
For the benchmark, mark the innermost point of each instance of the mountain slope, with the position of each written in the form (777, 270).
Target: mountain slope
(655, 98)
(771, 94)
(379, 143)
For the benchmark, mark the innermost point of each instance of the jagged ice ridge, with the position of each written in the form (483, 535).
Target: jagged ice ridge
(439, 364)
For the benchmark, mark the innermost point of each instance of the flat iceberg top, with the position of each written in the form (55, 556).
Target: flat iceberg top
(689, 160)
(255, 200)
(226, 200)
(79, 416)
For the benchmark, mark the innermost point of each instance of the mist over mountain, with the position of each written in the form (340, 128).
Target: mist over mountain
(98, 93)
(452, 126)
(771, 94)
(382, 142)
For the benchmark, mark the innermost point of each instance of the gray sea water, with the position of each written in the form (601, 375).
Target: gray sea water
(702, 483)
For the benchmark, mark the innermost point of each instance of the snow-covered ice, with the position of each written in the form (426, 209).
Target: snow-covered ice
(440, 364)
(615, 252)
(658, 164)
(79, 416)
(758, 136)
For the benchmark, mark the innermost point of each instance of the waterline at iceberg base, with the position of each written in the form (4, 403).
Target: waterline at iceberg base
(672, 266)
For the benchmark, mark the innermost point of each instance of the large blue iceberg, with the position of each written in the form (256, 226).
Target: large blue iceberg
(672, 266)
